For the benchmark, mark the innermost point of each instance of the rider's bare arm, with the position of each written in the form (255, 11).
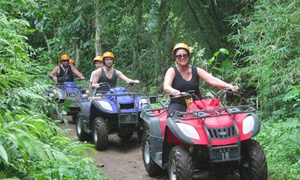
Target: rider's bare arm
(96, 77)
(124, 78)
(169, 77)
(77, 73)
(53, 73)
(210, 79)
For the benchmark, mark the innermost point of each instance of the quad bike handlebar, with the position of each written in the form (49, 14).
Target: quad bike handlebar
(103, 84)
(61, 80)
(224, 91)
(207, 113)
(219, 94)
(104, 87)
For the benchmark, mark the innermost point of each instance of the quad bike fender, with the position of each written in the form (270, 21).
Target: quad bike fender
(71, 87)
(175, 133)
(84, 106)
(125, 99)
(154, 124)
(57, 92)
(105, 105)
(156, 134)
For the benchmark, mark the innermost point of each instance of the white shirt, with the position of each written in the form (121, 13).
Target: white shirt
(91, 79)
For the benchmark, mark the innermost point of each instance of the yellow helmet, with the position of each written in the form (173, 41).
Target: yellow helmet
(108, 54)
(180, 46)
(72, 61)
(98, 58)
(65, 57)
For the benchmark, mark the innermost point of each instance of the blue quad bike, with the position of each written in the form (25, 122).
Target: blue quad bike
(112, 110)
(67, 91)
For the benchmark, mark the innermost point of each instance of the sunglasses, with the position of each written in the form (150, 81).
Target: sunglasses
(180, 56)
(65, 60)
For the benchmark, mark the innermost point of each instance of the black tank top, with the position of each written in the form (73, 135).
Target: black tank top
(183, 86)
(112, 82)
(67, 75)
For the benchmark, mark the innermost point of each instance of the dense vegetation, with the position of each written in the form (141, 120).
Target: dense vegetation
(262, 56)
(31, 145)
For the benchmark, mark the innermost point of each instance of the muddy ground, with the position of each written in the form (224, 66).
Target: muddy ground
(123, 160)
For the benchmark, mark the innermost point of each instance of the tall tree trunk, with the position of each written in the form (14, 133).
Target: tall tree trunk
(163, 39)
(98, 48)
(77, 55)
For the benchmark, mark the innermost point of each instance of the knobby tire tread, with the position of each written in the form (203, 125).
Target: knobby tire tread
(101, 129)
(183, 163)
(152, 168)
(254, 155)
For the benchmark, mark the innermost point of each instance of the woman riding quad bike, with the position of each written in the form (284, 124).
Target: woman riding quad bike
(207, 138)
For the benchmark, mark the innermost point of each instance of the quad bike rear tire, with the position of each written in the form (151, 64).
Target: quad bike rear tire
(151, 167)
(254, 164)
(81, 134)
(180, 164)
(100, 133)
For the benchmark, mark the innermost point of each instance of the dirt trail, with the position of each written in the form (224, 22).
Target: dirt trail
(123, 160)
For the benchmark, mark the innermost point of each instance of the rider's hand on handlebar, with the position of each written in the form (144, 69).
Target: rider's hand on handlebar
(82, 78)
(234, 88)
(54, 79)
(136, 81)
(175, 93)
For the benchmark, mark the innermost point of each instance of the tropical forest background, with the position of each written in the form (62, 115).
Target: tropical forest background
(251, 43)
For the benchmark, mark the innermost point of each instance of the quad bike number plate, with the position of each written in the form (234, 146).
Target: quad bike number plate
(224, 154)
(128, 119)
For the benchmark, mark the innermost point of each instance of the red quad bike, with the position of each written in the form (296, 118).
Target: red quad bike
(207, 139)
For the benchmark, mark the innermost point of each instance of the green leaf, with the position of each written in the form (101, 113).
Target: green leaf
(224, 51)
(3, 154)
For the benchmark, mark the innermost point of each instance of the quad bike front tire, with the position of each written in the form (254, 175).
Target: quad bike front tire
(100, 133)
(151, 167)
(81, 134)
(180, 164)
(254, 164)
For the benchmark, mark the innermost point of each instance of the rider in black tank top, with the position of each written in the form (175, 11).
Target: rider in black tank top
(174, 83)
(183, 85)
(112, 82)
(67, 75)
(101, 75)
(65, 72)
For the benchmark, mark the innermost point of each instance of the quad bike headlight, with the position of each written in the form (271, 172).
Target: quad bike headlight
(188, 130)
(105, 105)
(58, 92)
(143, 102)
(248, 124)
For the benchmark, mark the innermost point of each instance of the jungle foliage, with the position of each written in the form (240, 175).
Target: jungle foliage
(252, 43)
(31, 145)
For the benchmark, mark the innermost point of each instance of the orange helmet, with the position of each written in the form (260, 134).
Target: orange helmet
(65, 57)
(108, 54)
(180, 46)
(98, 58)
(72, 61)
